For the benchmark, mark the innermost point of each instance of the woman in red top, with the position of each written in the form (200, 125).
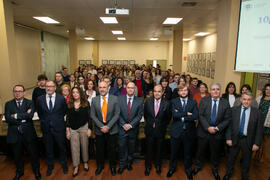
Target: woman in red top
(65, 89)
(203, 93)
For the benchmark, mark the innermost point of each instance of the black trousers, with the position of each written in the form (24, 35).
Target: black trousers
(18, 149)
(50, 138)
(186, 141)
(153, 146)
(214, 146)
(127, 145)
(246, 154)
(110, 142)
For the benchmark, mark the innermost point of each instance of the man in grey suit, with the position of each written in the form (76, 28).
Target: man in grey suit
(131, 111)
(214, 118)
(105, 113)
(244, 133)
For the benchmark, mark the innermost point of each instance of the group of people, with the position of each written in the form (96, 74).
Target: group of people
(111, 101)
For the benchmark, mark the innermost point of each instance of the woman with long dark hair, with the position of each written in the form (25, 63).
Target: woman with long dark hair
(167, 91)
(264, 107)
(78, 130)
(230, 93)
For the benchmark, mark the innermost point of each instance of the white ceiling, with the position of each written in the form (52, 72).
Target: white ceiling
(145, 19)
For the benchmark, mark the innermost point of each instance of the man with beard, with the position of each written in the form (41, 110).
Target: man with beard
(183, 129)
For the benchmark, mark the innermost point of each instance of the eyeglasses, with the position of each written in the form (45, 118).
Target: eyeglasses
(50, 86)
(18, 91)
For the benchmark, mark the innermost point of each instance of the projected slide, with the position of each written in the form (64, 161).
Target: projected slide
(253, 47)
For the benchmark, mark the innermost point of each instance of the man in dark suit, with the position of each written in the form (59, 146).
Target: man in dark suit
(157, 115)
(21, 132)
(214, 118)
(183, 129)
(105, 113)
(51, 110)
(244, 133)
(131, 111)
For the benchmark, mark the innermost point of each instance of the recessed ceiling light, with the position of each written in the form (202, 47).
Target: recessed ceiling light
(89, 38)
(153, 39)
(46, 20)
(172, 20)
(109, 20)
(202, 34)
(121, 38)
(117, 32)
(186, 39)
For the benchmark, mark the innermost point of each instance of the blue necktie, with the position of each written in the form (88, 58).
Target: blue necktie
(20, 126)
(50, 104)
(184, 109)
(242, 124)
(214, 114)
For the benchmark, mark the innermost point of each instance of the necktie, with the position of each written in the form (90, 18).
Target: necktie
(129, 106)
(156, 108)
(242, 124)
(104, 109)
(214, 114)
(184, 109)
(50, 104)
(19, 105)
(20, 126)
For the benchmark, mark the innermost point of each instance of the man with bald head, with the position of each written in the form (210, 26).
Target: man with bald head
(105, 113)
(157, 115)
(131, 111)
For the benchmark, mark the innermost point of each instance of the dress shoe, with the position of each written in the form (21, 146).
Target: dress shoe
(120, 170)
(49, 171)
(129, 167)
(76, 173)
(158, 169)
(18, 176)
(226, 177)
(37, 175)
(189, 176)
(113, 171)
(65, 169)
(216, 175)
(195, 171)
(170, 173)
(98, 170)
(147, 171)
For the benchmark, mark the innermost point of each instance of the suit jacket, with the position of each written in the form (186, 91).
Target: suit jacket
(161, 120)
(189, 120)
(29, 132)
(135, 115)
(223, 117)
(55, 119)
(113, 113)
(255, 127)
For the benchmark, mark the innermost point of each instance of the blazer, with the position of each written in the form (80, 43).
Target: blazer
(189, 120)
(136, 113)
(29, 132)
(52, 120)
(255, 127)
(161, 120)
(222, 119)
(113, 113)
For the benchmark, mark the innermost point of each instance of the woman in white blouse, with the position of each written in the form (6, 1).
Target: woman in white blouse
(230, 93)
(90, 88)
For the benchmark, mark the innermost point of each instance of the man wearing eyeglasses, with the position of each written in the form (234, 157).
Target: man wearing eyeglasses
(21, 132)
(51, 109)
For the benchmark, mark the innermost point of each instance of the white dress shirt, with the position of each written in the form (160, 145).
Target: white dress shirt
(48, 100)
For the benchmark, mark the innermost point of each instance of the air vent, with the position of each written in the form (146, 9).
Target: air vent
(189, 4)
